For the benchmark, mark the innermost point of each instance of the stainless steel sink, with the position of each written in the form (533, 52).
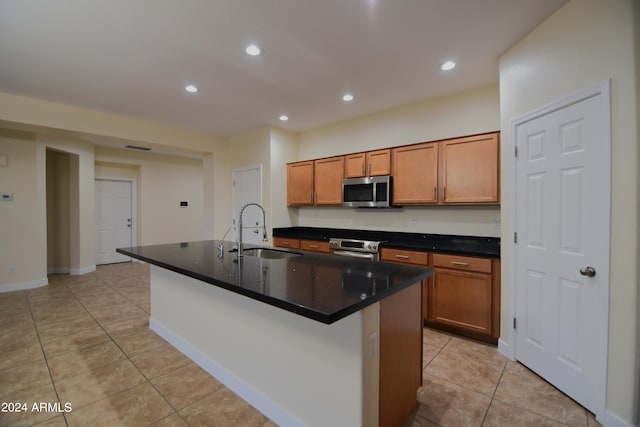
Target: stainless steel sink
(269, 253)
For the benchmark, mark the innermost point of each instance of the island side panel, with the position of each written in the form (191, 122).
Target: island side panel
(289, 367)
(400, 355)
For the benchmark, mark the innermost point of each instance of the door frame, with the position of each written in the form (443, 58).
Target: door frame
(603, 89)
(134, 202)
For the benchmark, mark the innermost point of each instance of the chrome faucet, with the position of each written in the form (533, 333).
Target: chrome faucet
(264, 226)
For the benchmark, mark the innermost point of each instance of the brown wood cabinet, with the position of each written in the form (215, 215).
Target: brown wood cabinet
(300, 183)
(314, 245)
(284, 242)
(371, 163)
(470, 169)
(465, 296)
(415, 174)
(455, 171)
(315, 182)
(403, 256)
(328, 175)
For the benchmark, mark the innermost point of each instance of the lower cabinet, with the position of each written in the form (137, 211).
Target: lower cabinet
(463, 295)
(402, 256)
(305, 245)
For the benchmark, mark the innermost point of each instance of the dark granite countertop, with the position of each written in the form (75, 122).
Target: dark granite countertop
(444, 243)
(321, 287)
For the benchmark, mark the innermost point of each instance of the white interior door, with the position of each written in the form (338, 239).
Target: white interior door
(114, 220)
(247, 188)
(563, 226)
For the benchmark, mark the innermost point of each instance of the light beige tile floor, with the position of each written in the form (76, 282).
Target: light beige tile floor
(85, 340)
(468, 383)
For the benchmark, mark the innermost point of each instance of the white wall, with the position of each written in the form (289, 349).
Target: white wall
(163, 181)
(284, 149)
(585, 42)
(466, 113)
(23, 246)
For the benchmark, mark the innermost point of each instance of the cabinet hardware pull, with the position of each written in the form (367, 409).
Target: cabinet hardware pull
(311, 197)
(434, 194)
(444, 193)
(402, 256)
(285, 243)
(463, 264)
(314, 246)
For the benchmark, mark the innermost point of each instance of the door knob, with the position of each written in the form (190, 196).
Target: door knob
(588, 271)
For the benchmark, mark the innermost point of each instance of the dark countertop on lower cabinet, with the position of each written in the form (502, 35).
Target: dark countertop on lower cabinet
(318, 286)
(443, 243)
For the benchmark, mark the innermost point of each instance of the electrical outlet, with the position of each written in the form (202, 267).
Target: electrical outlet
(496, 223)
(372, 345)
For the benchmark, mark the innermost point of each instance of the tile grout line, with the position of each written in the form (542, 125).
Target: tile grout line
(147, 380)
(44, 355)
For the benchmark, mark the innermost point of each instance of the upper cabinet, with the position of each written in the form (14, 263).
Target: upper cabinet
(300, 183)
(415, 174)
(371, 163)
(449, 172)
(315, 182)
(328, 181)
(458, 171)
(470, 169)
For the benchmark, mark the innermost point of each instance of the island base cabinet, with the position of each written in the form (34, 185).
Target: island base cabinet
(461, 300)
(400, 355)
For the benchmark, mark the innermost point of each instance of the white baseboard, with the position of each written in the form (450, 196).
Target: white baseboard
(59, 270)
(506, 350)
(82, 270)
(275, 412)
(24, 285)
(612, 420)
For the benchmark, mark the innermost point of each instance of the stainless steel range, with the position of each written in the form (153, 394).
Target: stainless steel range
(365, 249)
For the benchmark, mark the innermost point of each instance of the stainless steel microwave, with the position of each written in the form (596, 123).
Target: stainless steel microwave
(371, 192)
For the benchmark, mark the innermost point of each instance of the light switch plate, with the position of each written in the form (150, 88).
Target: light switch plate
(4, 160)
(6, 197)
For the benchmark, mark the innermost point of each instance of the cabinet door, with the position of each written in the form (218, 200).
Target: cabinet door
(470, 169)
(328, 181)
(354, 165)
(415, 174)
(300, 184)
(462, 300)
(400, 256)
(378, 162)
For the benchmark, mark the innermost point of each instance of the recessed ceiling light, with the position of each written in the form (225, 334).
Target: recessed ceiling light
(347, 97)
(253, 50)
(191, 88)
(284, 117)
(449, 65)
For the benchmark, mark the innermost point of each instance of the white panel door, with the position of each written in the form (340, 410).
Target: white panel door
(247, 188)
(562, 224)
(113, 211)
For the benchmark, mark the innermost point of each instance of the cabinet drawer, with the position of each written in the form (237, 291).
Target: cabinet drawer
(282, 242)
(482, 265)
(314, 245)
(407, 257)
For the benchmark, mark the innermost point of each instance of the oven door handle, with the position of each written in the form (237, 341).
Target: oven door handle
(354, 254)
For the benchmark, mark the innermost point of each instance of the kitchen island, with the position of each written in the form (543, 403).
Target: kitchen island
(308, 339)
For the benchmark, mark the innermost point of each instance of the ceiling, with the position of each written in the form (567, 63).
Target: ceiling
(134, 58)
